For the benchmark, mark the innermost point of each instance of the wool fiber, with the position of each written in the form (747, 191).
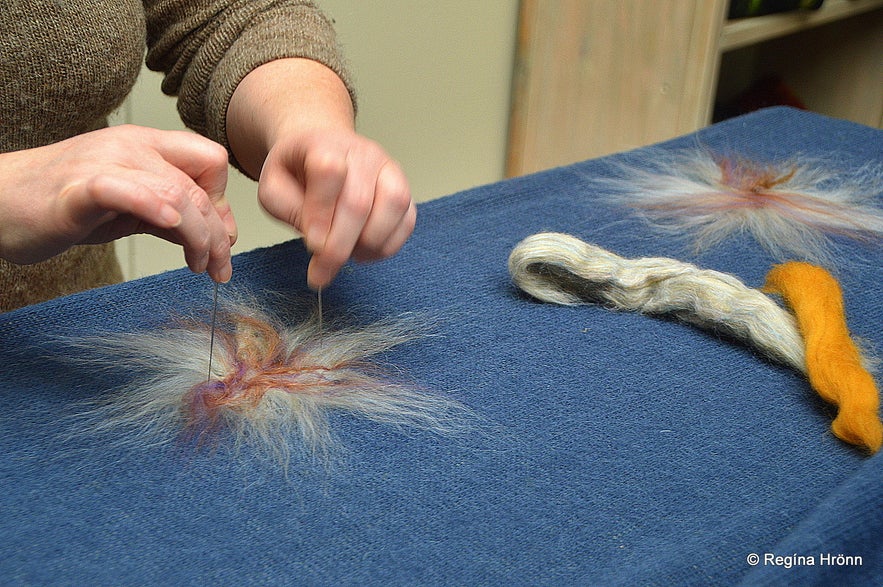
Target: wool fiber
(834, 363)
(273, 386)
(791, 208)
(562, 269)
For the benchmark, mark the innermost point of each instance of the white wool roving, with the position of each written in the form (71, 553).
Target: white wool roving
(791, 208)
(562, 269)
(274, 386)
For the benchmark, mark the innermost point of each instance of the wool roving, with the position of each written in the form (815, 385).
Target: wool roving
(273, 386)
(791, 208)
(563, 269)
(833, 362)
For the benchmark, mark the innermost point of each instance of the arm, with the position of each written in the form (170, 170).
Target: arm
(256, 69)
(290, 124)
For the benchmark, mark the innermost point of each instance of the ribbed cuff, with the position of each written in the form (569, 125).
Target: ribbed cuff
(276, 34)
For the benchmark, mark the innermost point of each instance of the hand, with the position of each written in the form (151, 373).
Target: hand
(343, 193)
(290, 124)
(114, 182)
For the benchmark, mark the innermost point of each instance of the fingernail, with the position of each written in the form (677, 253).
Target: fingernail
(226, 273)
(313, 281)
(170, 216)
(232, 230)
(315, 240)
(313, 284)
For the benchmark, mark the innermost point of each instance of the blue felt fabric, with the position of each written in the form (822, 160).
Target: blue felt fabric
(619, 450)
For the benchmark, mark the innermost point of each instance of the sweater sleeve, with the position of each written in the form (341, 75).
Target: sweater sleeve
(206, 47)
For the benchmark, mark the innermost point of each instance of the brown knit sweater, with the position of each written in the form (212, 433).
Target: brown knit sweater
(67, 64)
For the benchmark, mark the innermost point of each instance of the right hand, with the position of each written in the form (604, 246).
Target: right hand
(103, 185)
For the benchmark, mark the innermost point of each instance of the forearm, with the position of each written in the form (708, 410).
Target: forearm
(286, 97)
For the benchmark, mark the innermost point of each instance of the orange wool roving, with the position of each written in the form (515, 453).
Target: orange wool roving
(833, 362)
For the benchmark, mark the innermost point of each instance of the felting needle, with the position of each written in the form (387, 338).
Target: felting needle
(211, 344)
(319, 298)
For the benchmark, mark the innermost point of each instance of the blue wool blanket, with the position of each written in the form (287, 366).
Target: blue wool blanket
(614, 448)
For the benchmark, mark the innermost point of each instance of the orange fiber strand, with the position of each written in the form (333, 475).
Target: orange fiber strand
(833, 362)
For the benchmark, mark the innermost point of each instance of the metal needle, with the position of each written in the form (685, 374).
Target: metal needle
(319, 297)
(211, 344)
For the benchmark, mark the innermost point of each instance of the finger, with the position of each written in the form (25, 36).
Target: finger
(100, 210)
(205, 162)
(281, 193)
(352, 210)
(225, 213)
(186, 214)
(106, 196)
(320, 273)
(393, 241)
(206, 239)
(325, 175)
(392, 217)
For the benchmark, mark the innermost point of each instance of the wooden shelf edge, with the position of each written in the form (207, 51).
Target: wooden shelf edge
(747, 31)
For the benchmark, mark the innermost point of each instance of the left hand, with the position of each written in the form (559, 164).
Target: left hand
(343, 192)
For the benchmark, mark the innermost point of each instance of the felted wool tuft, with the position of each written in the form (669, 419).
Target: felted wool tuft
(273, 385)
(791, 208)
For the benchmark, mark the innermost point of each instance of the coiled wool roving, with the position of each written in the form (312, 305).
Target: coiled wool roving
(562, 269)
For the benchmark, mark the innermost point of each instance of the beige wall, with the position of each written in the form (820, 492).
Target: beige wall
(434, 83)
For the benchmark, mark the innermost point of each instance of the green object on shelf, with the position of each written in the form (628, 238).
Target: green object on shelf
(744, 8)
